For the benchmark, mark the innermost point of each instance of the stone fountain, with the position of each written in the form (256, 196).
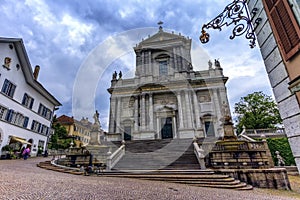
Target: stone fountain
(95, 153)
(248, 161)
(96, 149)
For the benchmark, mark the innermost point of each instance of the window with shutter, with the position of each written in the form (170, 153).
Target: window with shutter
(284, 25)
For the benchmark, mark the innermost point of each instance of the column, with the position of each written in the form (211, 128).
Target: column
(174, 126)
(112, 115)
(188, 110)
(183, 60)
(196, 109)
(179, 110)
(136, 114)
(150, 64)
(146, 62)
(142, 64)
(158, 127)
(175, 60)
(143, 112)
(118, 115)
(217, 105)
(151, 111)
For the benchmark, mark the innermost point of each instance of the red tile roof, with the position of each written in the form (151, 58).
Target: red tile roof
(65, 120)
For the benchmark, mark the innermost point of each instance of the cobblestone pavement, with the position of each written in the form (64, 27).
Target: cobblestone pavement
(20, 179)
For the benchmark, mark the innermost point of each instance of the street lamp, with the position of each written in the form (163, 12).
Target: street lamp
(235, 13)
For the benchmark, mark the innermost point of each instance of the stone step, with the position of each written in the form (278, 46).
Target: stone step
(158, 154)
(166, 172)
(49, 166)
(212, 180)
(199, 178)
(174, 176)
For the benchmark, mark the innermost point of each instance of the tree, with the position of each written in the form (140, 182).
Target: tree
(256, 111)
(59, 139)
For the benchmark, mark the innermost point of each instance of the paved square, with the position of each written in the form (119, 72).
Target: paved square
(23, 180)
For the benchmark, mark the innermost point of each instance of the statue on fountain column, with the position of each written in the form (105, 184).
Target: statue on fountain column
(227, 124)
(96, 119)
(95, 132)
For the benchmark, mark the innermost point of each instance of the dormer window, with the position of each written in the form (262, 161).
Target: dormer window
(163, 68)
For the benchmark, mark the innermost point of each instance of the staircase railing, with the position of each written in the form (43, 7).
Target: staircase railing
(199, 154)
(114, 158)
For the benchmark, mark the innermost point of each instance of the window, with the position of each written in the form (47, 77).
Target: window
(13, 117)
(163, 68)
(27, 101)
(40, 128)
(285, 26)
(25, 124)
(18, 119)
(3, 112)
(209, 128)
(35, 125)
(9, 115)
(8, 88)
(45, 112)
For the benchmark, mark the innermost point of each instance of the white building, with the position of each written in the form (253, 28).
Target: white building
(26, 107)
(167, 98)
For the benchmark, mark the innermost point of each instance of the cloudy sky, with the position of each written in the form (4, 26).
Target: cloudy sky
(79, 43)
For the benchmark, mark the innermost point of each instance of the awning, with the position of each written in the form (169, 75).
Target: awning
(17, 139)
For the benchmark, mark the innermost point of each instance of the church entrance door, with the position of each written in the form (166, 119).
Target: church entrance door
(127, 133)
(166, 128)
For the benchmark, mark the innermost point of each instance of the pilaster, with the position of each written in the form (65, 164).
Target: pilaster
(180, 114)
(188, 109)
(143, 112)
(196, 109)
(112, 114)
(118, 115)
(151, 111)
(136, 114)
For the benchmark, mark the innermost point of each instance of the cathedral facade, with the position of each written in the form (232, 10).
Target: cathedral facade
(167, 98)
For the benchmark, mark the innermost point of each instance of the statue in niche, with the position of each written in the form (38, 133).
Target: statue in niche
(7, 61)
(120, 75)
(217, 63)
(209, 64)
(114, 76)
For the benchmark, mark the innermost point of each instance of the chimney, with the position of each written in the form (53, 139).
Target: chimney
(36, 72)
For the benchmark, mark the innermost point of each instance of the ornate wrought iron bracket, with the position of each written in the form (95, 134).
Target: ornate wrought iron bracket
(238, 14)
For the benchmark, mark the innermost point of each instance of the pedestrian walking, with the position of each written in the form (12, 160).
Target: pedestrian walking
(26, 153)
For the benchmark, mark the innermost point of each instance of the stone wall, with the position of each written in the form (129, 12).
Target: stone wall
(273, 178)
(279, 78)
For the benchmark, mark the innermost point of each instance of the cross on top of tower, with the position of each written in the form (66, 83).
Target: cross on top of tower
(160, 23)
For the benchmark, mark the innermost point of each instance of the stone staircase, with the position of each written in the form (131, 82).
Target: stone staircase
(169, 154)
(170, 160)
(198, 178)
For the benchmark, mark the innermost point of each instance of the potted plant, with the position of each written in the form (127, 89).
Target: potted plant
(6, 150)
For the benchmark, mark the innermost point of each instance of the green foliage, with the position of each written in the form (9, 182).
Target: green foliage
(59, 139)
(282, 145)
(7, 148)
(256, 111)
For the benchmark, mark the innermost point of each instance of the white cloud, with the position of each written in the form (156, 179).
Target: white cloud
(58, 35)
(41, 13)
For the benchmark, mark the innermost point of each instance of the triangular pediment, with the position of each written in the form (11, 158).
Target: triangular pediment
(162, 36)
